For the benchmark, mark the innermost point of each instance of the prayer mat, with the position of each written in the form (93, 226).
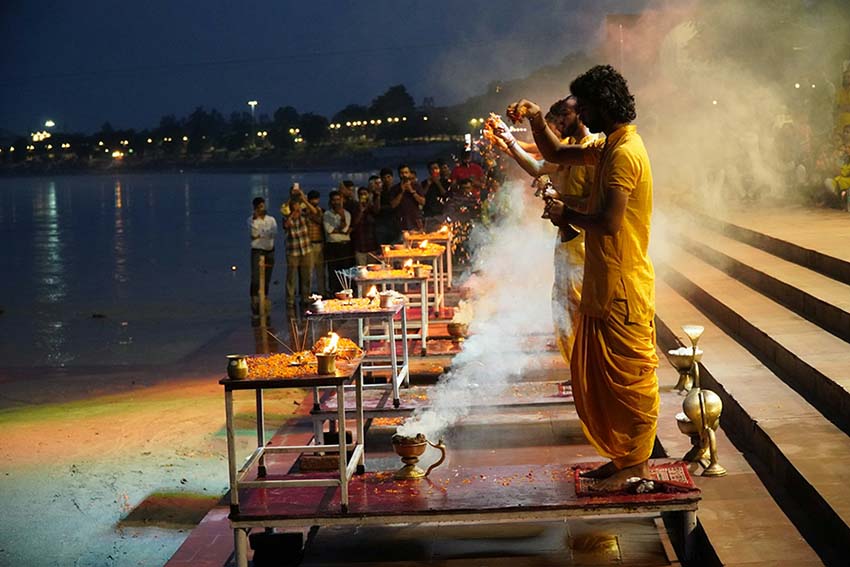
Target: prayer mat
(671, 477)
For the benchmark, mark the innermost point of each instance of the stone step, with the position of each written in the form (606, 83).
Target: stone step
(818, 298)
(809, 359)
(741, 522)
(795, 234)
(766, 419)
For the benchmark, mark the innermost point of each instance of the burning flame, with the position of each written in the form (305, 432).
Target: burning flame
(331, 348)
(409, 264)
(373, 292)
(423, 244)
(444, 228)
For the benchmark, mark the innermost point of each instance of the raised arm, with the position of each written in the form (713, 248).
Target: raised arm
(532, 166)
(550, 146)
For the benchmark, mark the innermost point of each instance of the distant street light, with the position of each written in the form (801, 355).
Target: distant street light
(49, 124)
(253, 104)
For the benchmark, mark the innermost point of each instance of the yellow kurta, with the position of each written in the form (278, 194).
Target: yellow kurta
(614, 360)
(574, 181)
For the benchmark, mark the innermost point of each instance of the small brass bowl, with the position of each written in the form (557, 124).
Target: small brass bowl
(458, 331)
(344, 295)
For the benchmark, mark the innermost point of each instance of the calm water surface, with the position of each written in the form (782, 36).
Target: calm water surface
(129, 269)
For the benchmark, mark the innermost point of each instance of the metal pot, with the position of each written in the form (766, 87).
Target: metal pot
(326, 363)
(237, 366)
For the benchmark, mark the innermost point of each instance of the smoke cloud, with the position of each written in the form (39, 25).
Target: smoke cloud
(511, 279)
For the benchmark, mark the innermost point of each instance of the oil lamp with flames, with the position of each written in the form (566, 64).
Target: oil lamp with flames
(326, 358)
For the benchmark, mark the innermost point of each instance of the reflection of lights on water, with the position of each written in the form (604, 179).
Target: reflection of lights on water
(119, 245)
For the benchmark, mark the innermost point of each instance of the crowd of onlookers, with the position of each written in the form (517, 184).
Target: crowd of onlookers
(820, 166)
(356, 221)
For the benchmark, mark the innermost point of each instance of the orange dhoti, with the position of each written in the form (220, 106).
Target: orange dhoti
(615, 386)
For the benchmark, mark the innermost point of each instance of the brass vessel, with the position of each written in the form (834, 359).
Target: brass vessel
(325, 363)
(702, 409)
(237, 366)
(410, 449)
(684, 363)
(457, 331)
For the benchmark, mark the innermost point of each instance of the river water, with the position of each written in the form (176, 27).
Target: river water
(126, 269)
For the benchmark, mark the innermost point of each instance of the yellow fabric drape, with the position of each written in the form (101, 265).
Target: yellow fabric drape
(574, 181)
(614, 360)
(566, 292)
(614, 385)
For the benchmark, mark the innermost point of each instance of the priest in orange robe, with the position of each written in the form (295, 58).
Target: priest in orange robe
(614, 359)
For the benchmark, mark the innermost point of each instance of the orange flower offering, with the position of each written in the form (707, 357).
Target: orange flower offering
(346, 349)
(429, 249)
(356, 304)
(387, 274)
(387, 421)
(281, 365)
(516, 114)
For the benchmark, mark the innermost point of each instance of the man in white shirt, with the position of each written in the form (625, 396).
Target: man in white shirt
(338, 251)
(263, 232)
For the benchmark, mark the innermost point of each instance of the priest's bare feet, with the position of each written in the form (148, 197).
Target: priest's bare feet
(617, 481)
(603, 471)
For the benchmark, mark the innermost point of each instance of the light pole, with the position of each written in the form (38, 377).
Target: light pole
(253, 105)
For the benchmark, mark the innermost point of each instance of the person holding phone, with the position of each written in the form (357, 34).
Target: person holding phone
(338, 252)
(407, 197)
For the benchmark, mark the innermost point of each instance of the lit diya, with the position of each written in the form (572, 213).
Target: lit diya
(326, 357)
(410, 449)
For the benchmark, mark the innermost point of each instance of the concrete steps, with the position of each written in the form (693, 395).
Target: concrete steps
(777, 354)
(742, 522)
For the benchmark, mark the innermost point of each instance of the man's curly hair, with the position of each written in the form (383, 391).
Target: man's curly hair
(606, 89)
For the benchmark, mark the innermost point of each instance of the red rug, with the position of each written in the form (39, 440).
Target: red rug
(668, 478)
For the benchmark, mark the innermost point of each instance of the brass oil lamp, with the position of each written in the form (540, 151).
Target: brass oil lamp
(410, 449)
(702, 409)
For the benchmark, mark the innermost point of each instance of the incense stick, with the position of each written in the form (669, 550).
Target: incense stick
(283, 344)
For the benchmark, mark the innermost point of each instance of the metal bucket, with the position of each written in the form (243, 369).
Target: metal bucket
(326, 363)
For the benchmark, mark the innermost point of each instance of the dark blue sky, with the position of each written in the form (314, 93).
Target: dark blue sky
(83, 63)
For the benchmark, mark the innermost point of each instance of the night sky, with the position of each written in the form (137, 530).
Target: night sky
(84, 63)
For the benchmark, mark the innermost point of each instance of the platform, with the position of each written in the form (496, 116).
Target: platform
(453, 494)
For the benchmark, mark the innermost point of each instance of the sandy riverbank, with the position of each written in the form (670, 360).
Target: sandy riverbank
(118, 479)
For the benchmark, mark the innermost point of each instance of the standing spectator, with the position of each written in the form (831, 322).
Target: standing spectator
(436, 191)
(445, 173)
(363, 228)
(386, 224)
(263, 232)
(299, 253)
(407, 198)
(467, 169)
(338, 250)
(349, 200)
(316, 231)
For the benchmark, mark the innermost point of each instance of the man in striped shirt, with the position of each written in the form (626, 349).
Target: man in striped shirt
(299, 251)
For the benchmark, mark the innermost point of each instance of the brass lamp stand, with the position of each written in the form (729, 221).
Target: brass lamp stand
(702, 409)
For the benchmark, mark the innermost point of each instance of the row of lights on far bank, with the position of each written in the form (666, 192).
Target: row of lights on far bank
(373, 122)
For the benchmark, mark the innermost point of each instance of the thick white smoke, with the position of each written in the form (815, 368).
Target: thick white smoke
(512, 283)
